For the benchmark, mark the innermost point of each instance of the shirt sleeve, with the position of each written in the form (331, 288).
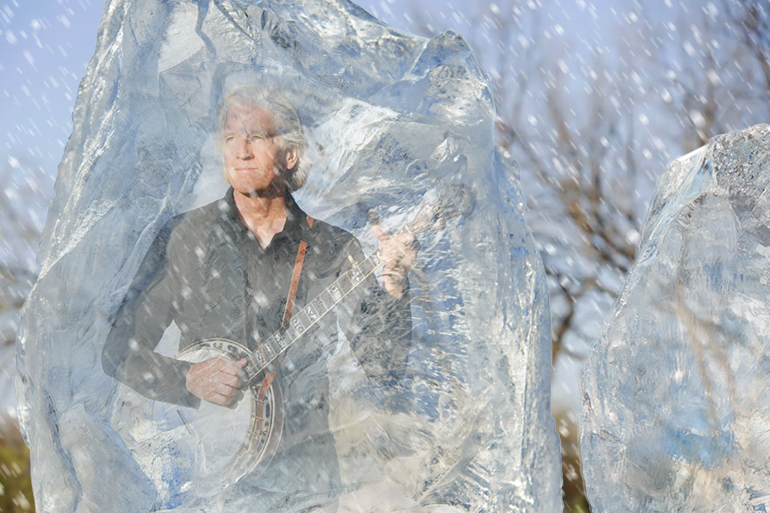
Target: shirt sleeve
(149, 307)
(379, 326)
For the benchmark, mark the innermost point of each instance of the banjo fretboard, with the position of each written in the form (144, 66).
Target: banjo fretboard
(276, 344)
(452, 201)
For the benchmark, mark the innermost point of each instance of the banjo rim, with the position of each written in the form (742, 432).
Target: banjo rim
(247, 459)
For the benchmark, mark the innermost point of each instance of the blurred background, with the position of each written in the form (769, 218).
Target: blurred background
(593, 99)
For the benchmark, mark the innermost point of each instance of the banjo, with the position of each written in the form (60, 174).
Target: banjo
(214, 446)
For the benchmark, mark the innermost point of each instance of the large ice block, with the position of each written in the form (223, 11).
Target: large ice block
(675, 414)
(390, 119)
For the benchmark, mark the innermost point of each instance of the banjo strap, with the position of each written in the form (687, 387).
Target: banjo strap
(301, 252)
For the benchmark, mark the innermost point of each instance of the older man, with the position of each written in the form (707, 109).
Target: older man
(228, 270)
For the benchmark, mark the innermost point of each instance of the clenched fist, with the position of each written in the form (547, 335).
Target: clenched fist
(216, 380)
(398, 253)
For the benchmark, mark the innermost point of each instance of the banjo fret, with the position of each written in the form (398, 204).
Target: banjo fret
(260, 358)
(345, 284)
(279, 339)
(270, 348)
(299, 322)
(335, 292)
(312, 312)
(325, 298)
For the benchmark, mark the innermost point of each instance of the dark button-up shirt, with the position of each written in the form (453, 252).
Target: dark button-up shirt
(207, 273)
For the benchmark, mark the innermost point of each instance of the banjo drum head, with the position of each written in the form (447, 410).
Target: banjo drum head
(229, 442)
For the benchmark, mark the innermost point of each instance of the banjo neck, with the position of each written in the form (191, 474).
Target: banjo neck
(449, 201)
(279, 342)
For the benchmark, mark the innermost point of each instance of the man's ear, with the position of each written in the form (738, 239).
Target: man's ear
(291, 158)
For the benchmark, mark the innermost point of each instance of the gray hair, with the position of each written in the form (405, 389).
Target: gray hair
(285, 117)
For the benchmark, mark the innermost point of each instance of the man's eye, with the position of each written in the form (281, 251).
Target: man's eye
(257, 137)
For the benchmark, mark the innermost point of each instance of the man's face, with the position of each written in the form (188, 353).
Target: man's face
(251, 150)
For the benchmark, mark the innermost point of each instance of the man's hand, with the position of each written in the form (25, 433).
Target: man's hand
(398, 253)
(216, 380)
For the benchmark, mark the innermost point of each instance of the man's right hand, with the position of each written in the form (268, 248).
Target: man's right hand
(216, 380)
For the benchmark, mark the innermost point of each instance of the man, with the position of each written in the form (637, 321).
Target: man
(225, 271)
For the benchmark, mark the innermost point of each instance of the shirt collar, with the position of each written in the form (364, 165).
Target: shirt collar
(296, 218)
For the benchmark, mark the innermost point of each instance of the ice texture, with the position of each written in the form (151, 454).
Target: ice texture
(14, 288)
(389, 117)
(675, 414)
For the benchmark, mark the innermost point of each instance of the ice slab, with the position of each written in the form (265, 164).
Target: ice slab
(14, 288)
(389, 117)
(675, 414)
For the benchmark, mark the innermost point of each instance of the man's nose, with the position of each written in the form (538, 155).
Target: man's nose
(244, 150)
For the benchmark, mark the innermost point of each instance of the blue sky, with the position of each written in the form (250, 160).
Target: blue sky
(45, 47)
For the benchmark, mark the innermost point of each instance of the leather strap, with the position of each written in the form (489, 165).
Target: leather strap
(301, 251)
(263, 388)
(270, 376)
